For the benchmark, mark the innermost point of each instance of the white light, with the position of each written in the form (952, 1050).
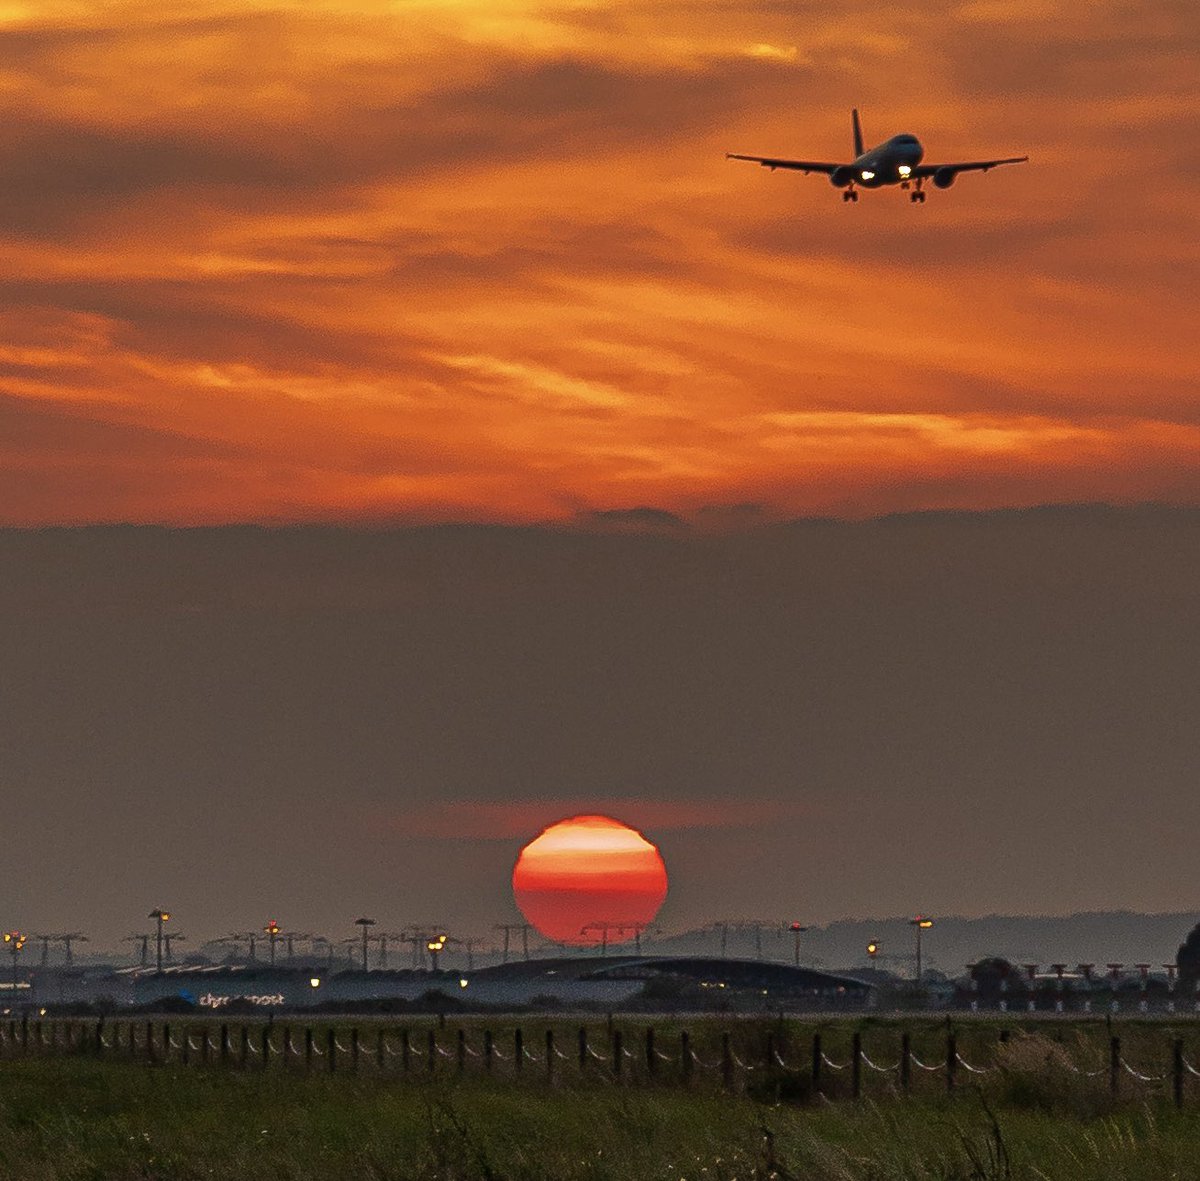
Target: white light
(463, 983)
(315, 982)
(868, 175)
(904, 170)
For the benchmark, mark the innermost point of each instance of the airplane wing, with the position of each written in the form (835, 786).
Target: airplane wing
(795, 165)
(971, 166)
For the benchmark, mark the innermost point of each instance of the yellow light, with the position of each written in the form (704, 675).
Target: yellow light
(868, 175)
(872, 948)
(926, 923)
(904, 170)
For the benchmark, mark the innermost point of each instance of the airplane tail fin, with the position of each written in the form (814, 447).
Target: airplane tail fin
(858, 140)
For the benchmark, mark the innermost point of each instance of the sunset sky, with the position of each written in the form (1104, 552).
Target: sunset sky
(484, 259)
(479, 272)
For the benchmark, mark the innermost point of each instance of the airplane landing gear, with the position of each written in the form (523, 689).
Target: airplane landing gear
(850, 195)
(917, 197)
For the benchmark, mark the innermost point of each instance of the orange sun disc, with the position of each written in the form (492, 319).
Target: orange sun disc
(589, 872)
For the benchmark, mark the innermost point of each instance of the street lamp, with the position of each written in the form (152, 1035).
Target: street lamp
(872, 952)
(921, 923)
(272, 931)
(366, 925)
(160, 916)
(15, 941)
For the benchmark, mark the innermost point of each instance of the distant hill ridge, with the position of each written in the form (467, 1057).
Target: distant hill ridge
(1099, 937)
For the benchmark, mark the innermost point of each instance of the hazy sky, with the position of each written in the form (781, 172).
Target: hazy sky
(436, 259)
(951, 714)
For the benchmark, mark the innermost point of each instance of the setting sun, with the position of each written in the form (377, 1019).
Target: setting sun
(589, 871)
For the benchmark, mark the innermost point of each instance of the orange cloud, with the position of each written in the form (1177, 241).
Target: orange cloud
(287, 261)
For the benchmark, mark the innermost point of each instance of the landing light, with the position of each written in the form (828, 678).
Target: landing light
(868, 175)
(314, 982)
(463, 983)
(904, 170)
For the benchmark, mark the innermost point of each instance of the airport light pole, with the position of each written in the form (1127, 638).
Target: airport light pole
(15, 941)
(272, 932)
(434, 946)
(797, 930)
(366, 925)
(920, 923)
(160, 916)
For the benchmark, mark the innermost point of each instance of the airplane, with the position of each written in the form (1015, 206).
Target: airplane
(896, 161)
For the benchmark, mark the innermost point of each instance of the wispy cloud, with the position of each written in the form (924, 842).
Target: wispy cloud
(524, 819)
(486, 260)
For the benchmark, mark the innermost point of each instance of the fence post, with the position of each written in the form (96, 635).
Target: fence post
(308, 1048)
(685, 1057)
(166, 1041)
(331, 1048)
(488, 1050)
(462, 1051)
(618, 1054)
(549, 1057)
(1114, 1065)
(951, 1059)
(726, 1062)
(816, 1064)
(244, 1048)
(354, 1050)
(405, 1051)
(265, 1046)
(204, 1044)
(380, 1052)
(905, 1061)
(651, 1058)
(99, 1037)
(24, 1030)
(1177, 1072)
(287, 1046)
(224, 1045)
(431, 1051)
(185, 1049)
(856, 1065)
(518, 1050)
(582, 1048)
(769, 1053)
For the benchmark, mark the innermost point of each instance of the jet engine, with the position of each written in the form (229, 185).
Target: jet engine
(841, 176)
(944, 177)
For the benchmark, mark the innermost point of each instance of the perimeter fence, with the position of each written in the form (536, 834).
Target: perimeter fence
(833, 1063)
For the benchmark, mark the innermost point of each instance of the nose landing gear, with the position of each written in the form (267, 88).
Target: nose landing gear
(850, 194)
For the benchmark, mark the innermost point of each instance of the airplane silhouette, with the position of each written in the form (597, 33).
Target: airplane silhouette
(896, 161)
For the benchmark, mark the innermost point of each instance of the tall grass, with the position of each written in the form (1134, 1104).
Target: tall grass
(79, 1120)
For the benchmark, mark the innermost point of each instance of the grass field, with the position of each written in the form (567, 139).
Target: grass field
(71, 1117)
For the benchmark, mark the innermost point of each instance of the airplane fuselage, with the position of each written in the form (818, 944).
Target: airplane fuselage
(889, 163)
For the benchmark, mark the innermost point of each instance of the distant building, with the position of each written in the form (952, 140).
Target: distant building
(598, 982)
